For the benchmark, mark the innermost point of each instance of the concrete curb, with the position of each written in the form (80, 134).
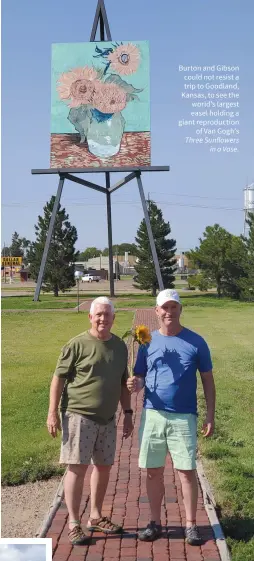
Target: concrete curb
(43, 530)
(210, 504)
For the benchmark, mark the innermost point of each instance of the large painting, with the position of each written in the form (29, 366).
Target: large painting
(100, 105)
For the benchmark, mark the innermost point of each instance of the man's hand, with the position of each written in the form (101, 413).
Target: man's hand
(127, 425)
(134, 384)
(208, 428)
(53, 423)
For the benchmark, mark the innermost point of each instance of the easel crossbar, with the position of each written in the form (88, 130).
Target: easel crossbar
(84, 182)
(98, 170)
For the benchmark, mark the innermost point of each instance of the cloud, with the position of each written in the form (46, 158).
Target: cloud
(22, 552)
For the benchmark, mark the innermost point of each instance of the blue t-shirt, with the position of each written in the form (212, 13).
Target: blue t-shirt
(169, 365)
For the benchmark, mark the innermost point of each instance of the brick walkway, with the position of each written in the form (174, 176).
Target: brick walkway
(126, 501)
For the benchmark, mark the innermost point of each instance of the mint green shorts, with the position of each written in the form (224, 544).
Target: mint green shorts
(161, 432)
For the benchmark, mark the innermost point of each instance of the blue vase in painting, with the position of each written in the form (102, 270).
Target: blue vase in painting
(104, 133)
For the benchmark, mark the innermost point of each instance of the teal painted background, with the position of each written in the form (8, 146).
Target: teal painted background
(66, 56)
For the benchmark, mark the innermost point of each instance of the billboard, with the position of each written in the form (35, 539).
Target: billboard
(100, 104)
(11, 261)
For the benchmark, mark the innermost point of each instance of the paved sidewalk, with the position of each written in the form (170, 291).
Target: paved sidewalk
(126, 501)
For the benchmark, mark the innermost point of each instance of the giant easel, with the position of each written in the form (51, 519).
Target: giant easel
(100, 20)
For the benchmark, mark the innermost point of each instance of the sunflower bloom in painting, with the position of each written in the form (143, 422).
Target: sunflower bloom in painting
(109, 98)
(78, 86)
(125, 59)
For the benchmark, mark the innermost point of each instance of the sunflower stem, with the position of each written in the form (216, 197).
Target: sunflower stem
(132, 355)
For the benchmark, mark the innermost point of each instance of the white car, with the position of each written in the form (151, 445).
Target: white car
(90, 278)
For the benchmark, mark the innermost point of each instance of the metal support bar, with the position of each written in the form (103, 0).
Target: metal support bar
(100, 15)
(122, 182)
(110, 249)
(105, 20)
(150, 233)
(48, 240)
(96, 21)
(85, 182)
(98, 170)
(102, 34)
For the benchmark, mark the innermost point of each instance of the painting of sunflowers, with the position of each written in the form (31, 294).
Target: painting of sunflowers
(100, 105)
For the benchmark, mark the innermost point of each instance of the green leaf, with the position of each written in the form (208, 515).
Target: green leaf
(131, 97)
(127, 334)
(100, 72)
(128, 88)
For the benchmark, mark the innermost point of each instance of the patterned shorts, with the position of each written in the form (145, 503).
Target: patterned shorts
(84, 441)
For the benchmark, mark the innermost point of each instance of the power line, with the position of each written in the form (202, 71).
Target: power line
(133, 203)
(196, 196)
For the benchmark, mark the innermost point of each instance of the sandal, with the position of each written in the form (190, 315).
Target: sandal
(77, 536)
(103, 524)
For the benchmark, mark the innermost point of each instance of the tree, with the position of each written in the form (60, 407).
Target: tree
(121, 248)
(235, 267)
(221, 257)
(6, 251)
(247, 283)
(18, 248)
(166, 248)
(89, 253)
(25, 245)
(59, 270)
(199, 281)
(16, 245)
(131, 248)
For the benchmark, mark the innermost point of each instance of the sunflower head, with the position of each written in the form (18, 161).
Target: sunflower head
(142, 335)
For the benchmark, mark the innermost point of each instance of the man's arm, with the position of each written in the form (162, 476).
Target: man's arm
(125, 400)
(56, 389)
(210, 394)
(64, 366)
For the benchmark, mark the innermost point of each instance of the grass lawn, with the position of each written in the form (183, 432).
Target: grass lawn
(228, 458)
(13, 287)
(48, 301)
(31, 344)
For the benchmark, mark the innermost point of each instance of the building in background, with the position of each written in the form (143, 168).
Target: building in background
(248, 206)
(124, 265)
(182, 263)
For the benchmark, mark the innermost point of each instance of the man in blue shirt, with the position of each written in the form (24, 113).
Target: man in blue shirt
(167, 367)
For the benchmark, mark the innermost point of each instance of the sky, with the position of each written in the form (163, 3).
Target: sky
(22, 552)
(201, 189)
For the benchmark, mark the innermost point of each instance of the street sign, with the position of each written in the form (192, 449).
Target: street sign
(11, 261)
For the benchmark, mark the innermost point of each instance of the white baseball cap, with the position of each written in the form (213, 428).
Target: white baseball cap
(167, 295)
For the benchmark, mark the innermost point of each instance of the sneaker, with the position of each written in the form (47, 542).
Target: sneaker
(192, 536)
(152, 532)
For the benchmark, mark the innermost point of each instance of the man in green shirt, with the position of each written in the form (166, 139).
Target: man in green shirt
(90, 379)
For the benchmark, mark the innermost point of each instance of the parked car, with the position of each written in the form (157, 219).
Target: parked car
(90, 278)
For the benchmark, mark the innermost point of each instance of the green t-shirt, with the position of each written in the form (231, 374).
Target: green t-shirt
(94, 372)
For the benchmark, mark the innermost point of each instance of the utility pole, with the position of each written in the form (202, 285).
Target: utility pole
(116, 263)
